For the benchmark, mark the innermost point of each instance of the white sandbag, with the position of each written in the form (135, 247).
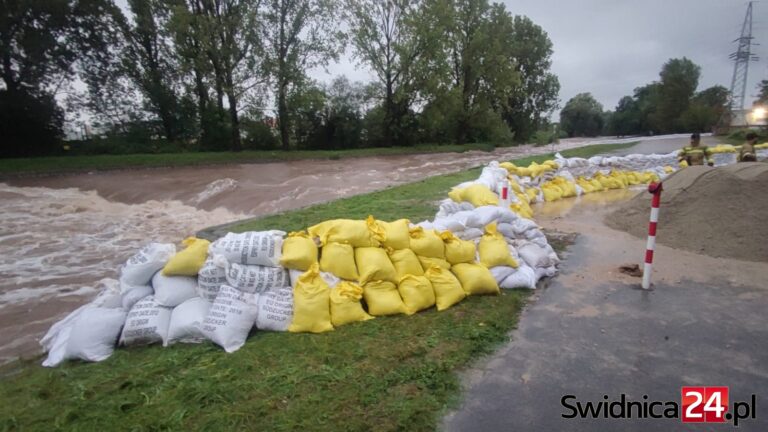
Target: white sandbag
(522, 225)
(449, 207)
(91, 336)
(140, 268)
(230, 318)
(523, 277)
(186, 319)
(534, 233)
(482, 216)
(502, 272)
(425, 224)
(534, 255)
(448, 223)
(132, 294)
(470, 234)
(251, 248)
(275, 310)
(209, 279)
(253, 278)
(171, 291)
(542, 272)
(146, 323)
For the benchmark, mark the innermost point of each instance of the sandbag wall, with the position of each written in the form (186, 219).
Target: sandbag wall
(340, 271)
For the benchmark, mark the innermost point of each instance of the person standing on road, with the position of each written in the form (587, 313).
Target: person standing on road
(747, 152)
(696, 154)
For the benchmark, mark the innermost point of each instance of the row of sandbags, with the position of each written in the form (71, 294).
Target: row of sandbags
(221, 291)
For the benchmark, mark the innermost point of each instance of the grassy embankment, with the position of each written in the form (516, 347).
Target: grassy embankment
(390, 373)
(62, 164)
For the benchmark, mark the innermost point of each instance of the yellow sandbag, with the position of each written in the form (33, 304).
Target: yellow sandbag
(493, 249)
(476, 194)
(311, 303)
(551, 192)
(568, 188)
(383, 298)
(339, 259)
(405, 262)
(597, 185)
(456, 249)
(683, 164)
(552, 164)
(523, 171)
(522, 196)
(475, 279)
(189, 261)
(373, 264)
(761, 146)
(427, 262)
(447, 288)
(427, 243)
(345, 304)
(668, 169)
(522, 209)
(532, 193)
(354, 232)
(417, 293)
(585, 184)
(516, 188)
(390, 234)
(509, 166)
(299, 251)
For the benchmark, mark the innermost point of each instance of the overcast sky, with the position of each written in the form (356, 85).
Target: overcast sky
(609, 47)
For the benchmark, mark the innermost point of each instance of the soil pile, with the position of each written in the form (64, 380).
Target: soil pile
(720, 212)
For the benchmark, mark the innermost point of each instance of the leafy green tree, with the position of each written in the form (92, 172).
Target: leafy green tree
(582, 116)
(529, 48)
(297, 35)
(626, 118)
(388, 36)
(679, 79)
(706, 109)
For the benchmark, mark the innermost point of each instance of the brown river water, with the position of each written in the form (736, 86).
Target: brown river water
(63, 237)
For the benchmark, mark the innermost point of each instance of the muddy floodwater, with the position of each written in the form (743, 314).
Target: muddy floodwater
(64, 237)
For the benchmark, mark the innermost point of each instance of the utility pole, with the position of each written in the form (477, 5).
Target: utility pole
(741, 59)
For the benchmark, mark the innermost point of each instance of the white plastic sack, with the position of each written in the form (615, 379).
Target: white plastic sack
(140, 268)
(534, 255)
(186, 319)
(209, 279)
(470, 234)
(171, 291)
(262, 248)
(253, 278)
(230, 318)
(331, 279)
(132, 293)
(275, 310)
(448, 223)
(542, 272)
(90, 335)
(501, 272)
(146, 323)
(523, 277)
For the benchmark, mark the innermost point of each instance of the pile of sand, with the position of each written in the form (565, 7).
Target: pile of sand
(721, 212)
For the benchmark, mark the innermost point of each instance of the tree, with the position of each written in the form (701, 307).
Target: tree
(387, 38)
(530, 49)
(762, 96)
(626, 118)
(582, 116)
(706, 109)
(297, 35)
(679, 79)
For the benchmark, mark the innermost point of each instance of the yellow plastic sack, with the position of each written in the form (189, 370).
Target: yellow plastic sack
(447, 288)
(668, 169)
(189, 261)
(345, 304)
(406, 262)
(383, 298)
(493, 249)
(390, 234)
(339, 260)
(427, 243)
(585, 184)
(476, 194)
(299, 251)
(456, 249)
(532, 193)
(427, 262)
(417, 293)
(373, 264)
(552, 164)
(516, 188)
(551, 192)
(311, 304)
(683, 164)
(509, 166)
(353, 232)
(475, 279)
(523, 209)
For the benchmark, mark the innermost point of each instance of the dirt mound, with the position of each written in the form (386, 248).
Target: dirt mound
(721, 212)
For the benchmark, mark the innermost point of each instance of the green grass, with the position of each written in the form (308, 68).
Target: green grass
(391, 373)
(60, 164)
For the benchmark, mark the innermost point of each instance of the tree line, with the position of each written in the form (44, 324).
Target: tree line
(236, 74)
(669, 105)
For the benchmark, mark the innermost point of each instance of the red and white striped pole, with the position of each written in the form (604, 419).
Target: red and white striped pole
(505, 193)
(655, 189)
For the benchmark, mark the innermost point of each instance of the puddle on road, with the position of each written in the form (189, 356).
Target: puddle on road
(588, 203)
